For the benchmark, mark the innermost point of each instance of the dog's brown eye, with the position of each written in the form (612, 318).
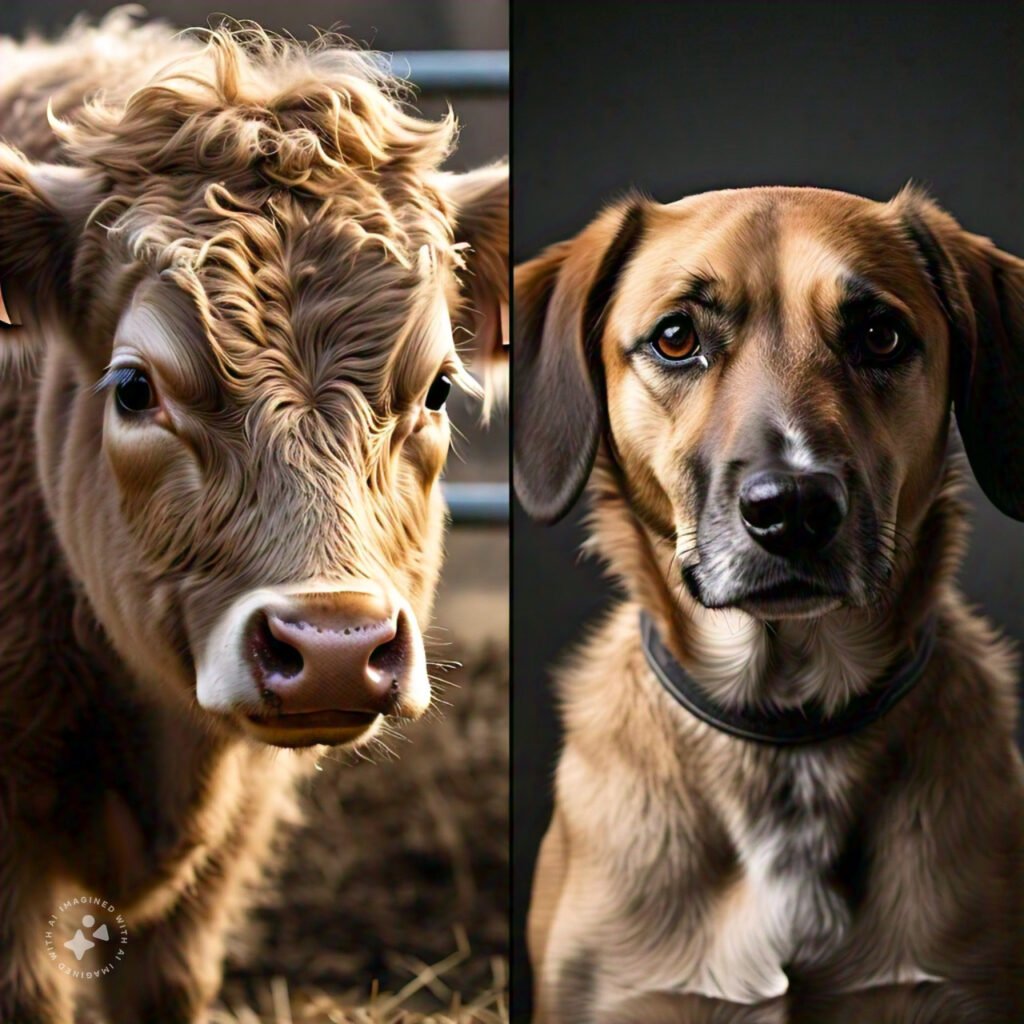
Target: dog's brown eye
(882, 340)
(675, 339)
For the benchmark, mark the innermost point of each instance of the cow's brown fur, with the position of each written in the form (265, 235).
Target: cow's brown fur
(266, 227)
(689, 875)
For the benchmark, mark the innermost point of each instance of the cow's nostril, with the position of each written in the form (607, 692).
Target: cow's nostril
(388, 659)
(275, 657)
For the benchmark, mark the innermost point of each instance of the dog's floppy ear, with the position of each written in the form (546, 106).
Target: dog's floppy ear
(981, 290)
(557, 413)
(479, 201)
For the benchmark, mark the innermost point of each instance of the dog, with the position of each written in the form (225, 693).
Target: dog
(789, 789)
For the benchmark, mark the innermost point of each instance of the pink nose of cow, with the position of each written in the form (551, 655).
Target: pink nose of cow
(342, 651)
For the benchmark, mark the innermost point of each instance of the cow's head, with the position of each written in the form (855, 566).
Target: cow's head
(247, 288)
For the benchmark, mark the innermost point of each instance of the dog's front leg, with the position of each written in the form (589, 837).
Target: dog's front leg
(549, 879)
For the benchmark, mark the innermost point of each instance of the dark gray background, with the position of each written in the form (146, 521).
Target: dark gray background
(684, 97)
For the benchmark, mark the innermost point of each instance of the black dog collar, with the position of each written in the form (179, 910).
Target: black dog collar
(790, 726)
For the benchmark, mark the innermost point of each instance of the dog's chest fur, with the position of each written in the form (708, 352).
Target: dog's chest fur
(787, 812)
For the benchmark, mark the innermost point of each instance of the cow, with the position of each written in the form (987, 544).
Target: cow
(237, 290)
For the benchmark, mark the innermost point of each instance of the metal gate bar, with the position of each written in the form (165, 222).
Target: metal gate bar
(442, 71)
(478, 504)
(462, 71)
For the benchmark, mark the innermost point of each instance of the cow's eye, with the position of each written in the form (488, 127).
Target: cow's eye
(439, 392)
(133, 392)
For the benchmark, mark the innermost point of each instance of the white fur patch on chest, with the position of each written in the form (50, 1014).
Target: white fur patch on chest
(783, 910)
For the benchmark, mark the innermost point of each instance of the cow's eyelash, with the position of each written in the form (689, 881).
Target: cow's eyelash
(114, 376)
(461, 378)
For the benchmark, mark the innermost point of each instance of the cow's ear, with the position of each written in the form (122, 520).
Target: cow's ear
(981, 290)
(558, 384)
(43, 210)
(479, 205)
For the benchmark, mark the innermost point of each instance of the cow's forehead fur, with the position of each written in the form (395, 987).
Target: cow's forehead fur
(287, 190)
(310, 296)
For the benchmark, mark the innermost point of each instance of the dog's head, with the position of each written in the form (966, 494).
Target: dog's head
(772, 371)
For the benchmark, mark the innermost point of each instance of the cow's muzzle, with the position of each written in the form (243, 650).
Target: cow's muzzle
(304, 666)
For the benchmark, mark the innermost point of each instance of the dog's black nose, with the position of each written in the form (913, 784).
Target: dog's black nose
(790, 513)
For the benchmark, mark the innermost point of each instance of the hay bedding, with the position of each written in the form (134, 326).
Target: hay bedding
(390, 905)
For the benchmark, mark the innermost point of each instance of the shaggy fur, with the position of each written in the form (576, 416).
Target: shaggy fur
(689, 875)
(264, 228)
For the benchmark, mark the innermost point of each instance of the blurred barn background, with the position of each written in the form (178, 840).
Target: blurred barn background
(391, 901)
